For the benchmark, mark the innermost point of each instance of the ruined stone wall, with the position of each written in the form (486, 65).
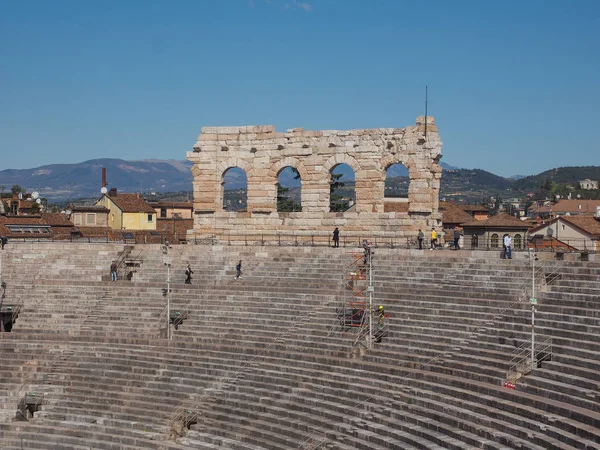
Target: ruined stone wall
(263, 153)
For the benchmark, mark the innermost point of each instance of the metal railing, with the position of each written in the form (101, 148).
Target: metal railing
(313, 441)
(303, 240)
(307, 239)
(521, 363)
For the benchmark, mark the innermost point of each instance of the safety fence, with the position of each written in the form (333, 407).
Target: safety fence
(493, 242)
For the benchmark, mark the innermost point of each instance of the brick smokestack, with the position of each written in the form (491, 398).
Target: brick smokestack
(104, 177)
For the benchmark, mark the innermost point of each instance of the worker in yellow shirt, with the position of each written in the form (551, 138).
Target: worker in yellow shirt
(433, 239)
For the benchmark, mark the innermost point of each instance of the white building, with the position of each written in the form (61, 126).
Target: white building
(588, 184)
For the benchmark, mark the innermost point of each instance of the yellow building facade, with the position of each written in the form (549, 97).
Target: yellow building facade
(128, 211)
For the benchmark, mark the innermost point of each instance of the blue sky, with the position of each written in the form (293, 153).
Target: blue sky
(514, 85)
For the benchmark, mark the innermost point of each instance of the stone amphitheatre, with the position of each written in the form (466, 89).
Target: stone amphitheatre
(262, 362)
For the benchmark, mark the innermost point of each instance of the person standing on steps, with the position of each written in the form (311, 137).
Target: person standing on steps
(420, 238)
(3, 241)
(188, 274)
(238, 270)
(456, 238)
(113, 271)
(336, 237)
(433, 239)
(507, 247)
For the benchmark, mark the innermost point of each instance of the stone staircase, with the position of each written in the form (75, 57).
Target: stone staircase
(254, 364)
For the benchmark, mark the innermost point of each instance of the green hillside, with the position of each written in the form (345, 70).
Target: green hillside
(560, 175)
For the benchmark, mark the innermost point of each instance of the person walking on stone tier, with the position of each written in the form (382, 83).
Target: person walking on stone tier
(113, 271)
(3, 241)
(420, 238)
(433, 239)
(188, 274)
(336, 237)
(507, 247)
(238, 270)
(457, 235)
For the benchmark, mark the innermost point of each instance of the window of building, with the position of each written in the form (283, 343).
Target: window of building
(518, 241)
(149, 217)
(28, 229)
(494, 241)
(90, 219)
(77, 218)
(163, 213)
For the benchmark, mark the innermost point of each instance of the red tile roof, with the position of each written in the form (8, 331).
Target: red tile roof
(589, 224)
(550, 242)
(56, 219)
(474, 208)
(131, 203)
(586, 224)
(498, 221)
(90, 208)
(167, 204)
(453, 214)
(572, 206)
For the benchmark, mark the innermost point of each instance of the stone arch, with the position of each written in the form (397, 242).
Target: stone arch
(342, 159)
(405, 160)
(222, 168)
(236, 198)
(234, 162)
(390, 204)
(278, 166)
(341, 203)
(359, 175)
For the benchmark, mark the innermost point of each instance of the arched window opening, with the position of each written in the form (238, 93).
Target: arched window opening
(289, 190)
(397, 182)
(494, 241)
(234, 189)
(342, 195)
(518, 241)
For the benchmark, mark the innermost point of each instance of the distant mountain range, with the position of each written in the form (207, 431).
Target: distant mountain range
(61, 181)
(83, 180)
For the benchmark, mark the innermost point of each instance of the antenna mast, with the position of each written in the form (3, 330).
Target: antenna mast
(425, 111)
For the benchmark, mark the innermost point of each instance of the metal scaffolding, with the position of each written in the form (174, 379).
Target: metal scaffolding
(356, 313)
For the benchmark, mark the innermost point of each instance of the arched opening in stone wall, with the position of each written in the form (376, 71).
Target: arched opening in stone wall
(234, 189)
(397, 183)
(289, 190)
(342, 195)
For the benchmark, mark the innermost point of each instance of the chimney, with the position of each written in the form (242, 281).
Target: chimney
(104, 177)
(112, 192)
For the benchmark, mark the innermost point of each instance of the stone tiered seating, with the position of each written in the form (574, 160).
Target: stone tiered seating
(255, 361)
